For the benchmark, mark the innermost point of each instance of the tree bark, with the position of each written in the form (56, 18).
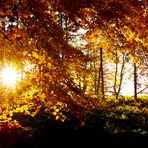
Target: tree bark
(121, 75)
(102, 73)
(135, 81)
(116, 72)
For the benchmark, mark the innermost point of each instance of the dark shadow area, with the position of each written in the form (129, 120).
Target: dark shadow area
(96, 132)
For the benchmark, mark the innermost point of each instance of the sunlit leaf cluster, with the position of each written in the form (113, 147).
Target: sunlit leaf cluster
(71, 57)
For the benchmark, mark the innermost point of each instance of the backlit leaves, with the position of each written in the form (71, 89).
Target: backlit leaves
(37, 36)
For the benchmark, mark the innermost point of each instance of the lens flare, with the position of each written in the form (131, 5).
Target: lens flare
(9, 76)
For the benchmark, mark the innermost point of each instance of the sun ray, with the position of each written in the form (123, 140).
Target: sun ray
(9, 76)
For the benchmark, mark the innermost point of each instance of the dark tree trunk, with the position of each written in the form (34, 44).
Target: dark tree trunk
(135, 81)
(101, 73)
(116, 72)
(121, 75)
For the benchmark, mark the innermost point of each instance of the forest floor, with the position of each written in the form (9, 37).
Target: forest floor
(70, 137)
(83, 138)
(79, 139)
(123, 126)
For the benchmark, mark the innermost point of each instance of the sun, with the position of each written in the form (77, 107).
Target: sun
(9, 76)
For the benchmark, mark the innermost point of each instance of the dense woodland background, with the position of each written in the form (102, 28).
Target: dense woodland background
(75, 60)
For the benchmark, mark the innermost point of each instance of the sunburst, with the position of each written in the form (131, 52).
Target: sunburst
(9, 76)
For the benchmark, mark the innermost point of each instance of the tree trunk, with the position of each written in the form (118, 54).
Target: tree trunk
(135, 81)
(121, 75)
(98, 82)
(115, 77)
(117, 86)
(101, 72)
